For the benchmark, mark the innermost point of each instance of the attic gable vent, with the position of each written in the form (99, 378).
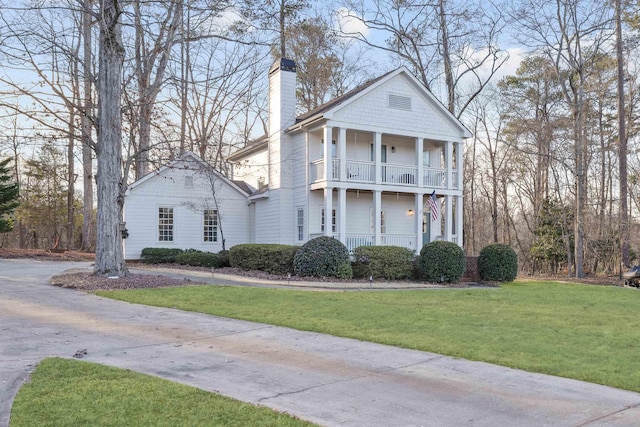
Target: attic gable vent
(399, 102)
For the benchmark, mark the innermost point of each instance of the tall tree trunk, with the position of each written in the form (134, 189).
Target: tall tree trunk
(109, 252)
(446, 57)
(71, 171)
(87, 113)
(622, 143)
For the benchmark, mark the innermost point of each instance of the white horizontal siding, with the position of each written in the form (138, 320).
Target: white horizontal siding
(168, 190)
(373, 110)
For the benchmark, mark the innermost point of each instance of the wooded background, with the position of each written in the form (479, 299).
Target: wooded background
(548, 88)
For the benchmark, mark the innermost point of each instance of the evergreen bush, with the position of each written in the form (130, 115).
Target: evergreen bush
(498, 263)
(224, 258)
(323, 257)
(442, 261)
(159, 255)
(200, 259)
(272, 258)
(382, 262)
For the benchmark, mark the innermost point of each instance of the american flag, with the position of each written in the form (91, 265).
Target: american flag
(433, 204)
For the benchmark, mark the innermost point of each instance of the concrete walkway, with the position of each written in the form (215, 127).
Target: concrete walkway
(328, 380)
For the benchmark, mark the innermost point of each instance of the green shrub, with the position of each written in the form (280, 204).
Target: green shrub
(323, 257)
(442, 262)
(159, 255)
(382, 262)
(200, 259)
(498, 263)
(224, 258)
(272, 258)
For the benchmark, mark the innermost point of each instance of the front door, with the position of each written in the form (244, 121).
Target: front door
(426, 227)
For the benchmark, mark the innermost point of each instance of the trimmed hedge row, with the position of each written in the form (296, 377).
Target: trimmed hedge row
(272, 258)
(200, 259)
(189, 257)
(383, 262)
(159, 255)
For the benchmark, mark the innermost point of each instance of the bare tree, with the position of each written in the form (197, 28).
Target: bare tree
(111, 185)
(622, 141)
(448, 40)
(571, 33)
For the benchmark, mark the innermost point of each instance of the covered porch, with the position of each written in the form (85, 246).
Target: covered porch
(375, 217)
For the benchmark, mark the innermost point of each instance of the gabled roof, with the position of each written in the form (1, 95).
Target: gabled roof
(328, 108)
(251, 147)
(188, 156)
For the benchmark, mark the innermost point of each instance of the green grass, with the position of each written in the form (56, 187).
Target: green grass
(73, 393)
(590, 333)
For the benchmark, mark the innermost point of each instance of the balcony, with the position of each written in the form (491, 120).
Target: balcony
(364, 172)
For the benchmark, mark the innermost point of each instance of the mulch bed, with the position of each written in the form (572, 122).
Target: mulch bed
(47, 255)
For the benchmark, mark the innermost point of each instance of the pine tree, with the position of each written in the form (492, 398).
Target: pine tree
(8, 196)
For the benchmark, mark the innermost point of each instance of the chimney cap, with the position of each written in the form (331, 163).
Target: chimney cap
(283, 64)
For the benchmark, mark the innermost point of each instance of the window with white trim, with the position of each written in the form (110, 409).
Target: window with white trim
(165, 224)
(188, 181)
(333, 221)
(300, 223)
(210, 225)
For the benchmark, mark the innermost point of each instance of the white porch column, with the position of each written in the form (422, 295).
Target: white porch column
(448, 158)
(377, 149)
(459, 164)
(342, 220)
(419, 156)
(419, 212)
(342, 152)
(459, 220)
(328, 209)
(377, 217)
(328, 160)
(448, 219)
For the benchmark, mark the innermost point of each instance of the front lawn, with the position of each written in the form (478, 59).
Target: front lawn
(72, 393)
(586, 332)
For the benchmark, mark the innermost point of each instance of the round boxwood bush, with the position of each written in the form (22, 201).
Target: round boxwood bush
(382, 262)
(498, 263)
(323, 257)
(442, 261)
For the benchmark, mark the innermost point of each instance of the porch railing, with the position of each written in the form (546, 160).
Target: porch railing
(399, 174)
(368, 239)
(405, 240)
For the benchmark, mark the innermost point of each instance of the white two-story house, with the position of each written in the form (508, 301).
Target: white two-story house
(361, 168)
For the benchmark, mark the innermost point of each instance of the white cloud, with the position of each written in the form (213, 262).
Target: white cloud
(348, 21)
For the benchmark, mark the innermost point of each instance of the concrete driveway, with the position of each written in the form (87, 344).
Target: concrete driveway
(331, 381)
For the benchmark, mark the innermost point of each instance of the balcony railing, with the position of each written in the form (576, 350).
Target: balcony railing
(433, 177)
(317, 170)
(360, 171)
(364, 172)
(398, 174)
